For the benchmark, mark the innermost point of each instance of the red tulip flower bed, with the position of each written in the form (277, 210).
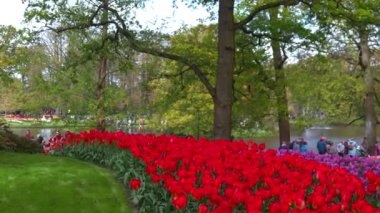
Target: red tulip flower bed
(222, 176)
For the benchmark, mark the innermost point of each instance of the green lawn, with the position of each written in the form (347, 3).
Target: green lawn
(39, 183)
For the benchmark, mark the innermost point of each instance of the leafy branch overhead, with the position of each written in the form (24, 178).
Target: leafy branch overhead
(68, 19)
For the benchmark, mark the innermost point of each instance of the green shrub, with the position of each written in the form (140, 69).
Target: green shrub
(15, 143)
(250, 133)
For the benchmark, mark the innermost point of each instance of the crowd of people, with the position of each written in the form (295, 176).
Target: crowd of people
(346, 147)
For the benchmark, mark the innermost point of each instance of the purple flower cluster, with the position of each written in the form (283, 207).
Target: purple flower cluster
(357, 166)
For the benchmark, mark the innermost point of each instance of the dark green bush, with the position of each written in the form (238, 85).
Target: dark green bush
(11, 142)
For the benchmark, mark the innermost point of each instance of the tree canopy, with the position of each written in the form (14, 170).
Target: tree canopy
(299, 61)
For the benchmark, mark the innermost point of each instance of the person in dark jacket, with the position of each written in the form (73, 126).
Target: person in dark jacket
(40, 139)
(321, 146)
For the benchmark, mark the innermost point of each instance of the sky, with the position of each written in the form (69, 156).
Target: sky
(11, 13)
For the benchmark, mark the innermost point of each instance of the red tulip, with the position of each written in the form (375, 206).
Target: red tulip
(237, 173)
(179, 202)
(202, 208)
(135, 184)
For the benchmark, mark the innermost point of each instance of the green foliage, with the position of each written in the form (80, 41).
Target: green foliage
(255, 80)
(182, 105)
(303, 122)
(11, 95)
(79, 13)
(197, 44)
(116, 99)
(13, 44)
(12, 142)
(353, 12)
(62, 73)
(293, 28)
(189, 115)
(374, 200)
(325, 89)
(250, 133)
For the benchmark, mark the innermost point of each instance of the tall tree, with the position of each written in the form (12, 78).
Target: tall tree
(369, 80)
(226, 53)
(223, 91)
(225, 68)
(62, 16)
(223, 95)
(358, 21)
(285, 30)
(280, 79)
(102, 74)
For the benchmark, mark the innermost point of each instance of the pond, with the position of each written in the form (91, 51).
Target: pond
(311, 135)
(47, 132)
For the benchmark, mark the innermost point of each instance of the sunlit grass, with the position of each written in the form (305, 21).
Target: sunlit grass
(39, 183)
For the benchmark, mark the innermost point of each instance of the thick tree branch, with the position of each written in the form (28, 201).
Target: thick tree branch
(180, 73)
(136, 45)
(242, 94)
(267, 6)
(284, 56)
(264, 77)
(139, 48)
(263, 35)
(356, 119)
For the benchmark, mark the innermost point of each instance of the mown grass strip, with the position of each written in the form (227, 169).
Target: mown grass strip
(39, 183)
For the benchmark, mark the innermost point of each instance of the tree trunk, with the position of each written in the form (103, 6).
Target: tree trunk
(225, 67)
(280, 86)
(102, 73)
(369, 100)
(100, 95)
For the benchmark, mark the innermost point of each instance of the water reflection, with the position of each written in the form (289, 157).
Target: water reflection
(48, 132)
(45, 132)
(312, 135)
